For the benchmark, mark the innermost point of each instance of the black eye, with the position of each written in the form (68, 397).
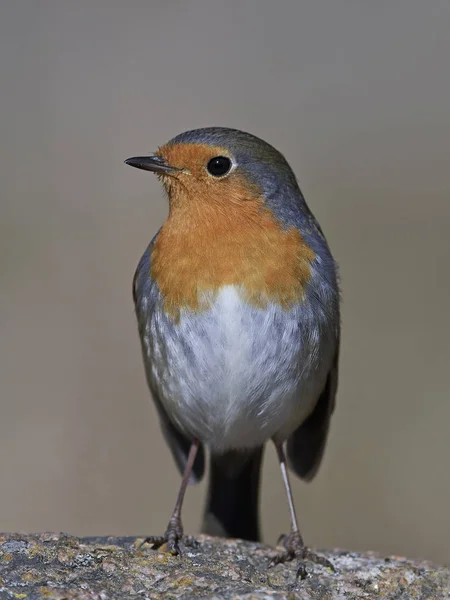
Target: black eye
(219, 166)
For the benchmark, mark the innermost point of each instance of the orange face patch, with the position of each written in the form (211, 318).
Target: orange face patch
(219, 232)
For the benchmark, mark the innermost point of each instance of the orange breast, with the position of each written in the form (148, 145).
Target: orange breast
(207, 243)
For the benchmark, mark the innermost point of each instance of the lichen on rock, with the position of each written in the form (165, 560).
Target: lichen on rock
(105, 568)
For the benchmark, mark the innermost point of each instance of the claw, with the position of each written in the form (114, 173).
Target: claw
(295, 549)
(301, 572)
(273, 562)
(174, 549)
(155, 540)
(173, 535)
(319, 560)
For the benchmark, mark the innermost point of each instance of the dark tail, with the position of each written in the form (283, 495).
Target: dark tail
(232, 508)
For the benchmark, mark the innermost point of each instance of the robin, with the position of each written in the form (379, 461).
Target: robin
(237, 303)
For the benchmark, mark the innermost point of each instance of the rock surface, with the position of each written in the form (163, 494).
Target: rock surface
(64, 567)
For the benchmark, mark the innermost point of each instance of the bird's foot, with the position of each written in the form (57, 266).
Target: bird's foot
(296, 550)
(172, 538)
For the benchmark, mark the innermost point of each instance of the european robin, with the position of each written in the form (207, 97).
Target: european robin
(237, 303)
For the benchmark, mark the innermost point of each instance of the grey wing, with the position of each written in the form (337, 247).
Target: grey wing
(305, 447)
(178, 443)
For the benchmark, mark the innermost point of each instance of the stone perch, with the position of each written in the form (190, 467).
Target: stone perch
(67, 568)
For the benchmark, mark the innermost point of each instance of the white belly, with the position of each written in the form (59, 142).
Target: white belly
(236, 376)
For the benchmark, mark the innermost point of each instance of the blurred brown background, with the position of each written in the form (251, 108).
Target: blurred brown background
(357, 96)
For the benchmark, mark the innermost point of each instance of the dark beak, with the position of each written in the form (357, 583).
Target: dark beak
(156, 164)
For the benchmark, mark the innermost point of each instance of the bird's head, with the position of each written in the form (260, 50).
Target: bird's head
(218, 167)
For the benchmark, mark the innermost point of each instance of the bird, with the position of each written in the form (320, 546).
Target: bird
(237, 299)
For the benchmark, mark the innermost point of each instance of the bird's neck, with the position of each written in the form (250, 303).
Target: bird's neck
(202, 248)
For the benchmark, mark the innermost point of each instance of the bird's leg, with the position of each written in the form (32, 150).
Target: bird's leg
(293, 543)
(174, 531)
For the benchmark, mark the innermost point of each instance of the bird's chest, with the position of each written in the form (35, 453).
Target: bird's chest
(225, 345)
(199, 253)
(232, 375)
